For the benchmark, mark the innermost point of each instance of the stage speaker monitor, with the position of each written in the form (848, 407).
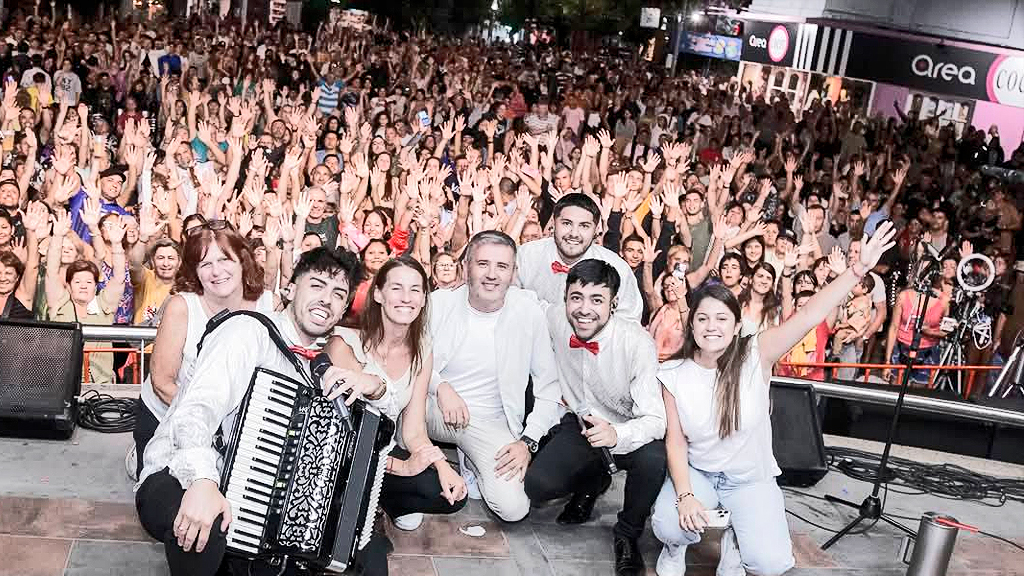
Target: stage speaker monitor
(796, 434)
(40, 376)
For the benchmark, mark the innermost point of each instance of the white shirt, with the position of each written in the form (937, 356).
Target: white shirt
(522, 354)
(746, 454)
(197, 319)
(618, 384)
(398, 393)
(533, 272)
(472, 371)
(209, 401)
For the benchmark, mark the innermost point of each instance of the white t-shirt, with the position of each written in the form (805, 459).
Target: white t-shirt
(745, 455)
(473, 372)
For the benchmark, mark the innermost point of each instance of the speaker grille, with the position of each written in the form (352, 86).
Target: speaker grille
(40, 367)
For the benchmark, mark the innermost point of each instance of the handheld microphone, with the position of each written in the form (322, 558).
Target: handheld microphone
(317, 367)
(606, 454)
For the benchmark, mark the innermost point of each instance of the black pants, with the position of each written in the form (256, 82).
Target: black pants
(157, 502)
(567, 463)
(159, 499)
(145, 427)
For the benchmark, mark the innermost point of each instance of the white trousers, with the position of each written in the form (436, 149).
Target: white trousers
(480, 442)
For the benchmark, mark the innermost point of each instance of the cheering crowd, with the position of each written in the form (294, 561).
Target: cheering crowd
(576, 220)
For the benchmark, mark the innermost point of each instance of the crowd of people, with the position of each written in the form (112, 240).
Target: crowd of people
(577, 222)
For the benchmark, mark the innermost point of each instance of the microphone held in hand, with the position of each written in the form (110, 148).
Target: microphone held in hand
(606, 454)
(317, 367)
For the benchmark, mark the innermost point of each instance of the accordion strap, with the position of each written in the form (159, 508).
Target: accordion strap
(275, 336)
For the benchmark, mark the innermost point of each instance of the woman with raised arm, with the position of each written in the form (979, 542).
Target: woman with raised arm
(718, 434)
(75, 298)
(392, 349)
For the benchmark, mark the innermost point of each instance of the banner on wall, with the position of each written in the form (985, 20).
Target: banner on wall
(769, 42)
(712, 45)
(930, 66)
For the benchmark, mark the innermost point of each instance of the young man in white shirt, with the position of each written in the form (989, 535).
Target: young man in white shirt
(490, 340)
(542, 265)
(178, 497)
(608, 368)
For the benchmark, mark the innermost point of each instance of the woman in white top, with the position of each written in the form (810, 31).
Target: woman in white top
(759, 301)
(392, 347)
(718, 435)
(218, 272)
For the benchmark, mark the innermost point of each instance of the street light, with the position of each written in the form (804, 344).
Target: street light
(696, 17)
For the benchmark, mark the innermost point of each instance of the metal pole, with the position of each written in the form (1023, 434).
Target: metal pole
(680, 30)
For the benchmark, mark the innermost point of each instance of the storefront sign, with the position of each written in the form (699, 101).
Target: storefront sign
(712, 45)
(928, 66)
(1005, 81)
(769, 42)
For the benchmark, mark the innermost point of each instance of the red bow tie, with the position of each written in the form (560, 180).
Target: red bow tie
(559, 268)
(307, 353)
(591, 347)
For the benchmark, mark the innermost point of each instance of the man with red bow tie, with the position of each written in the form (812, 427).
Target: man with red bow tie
(542, 265)
(608, 374)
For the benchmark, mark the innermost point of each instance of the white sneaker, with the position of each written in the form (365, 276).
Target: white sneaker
(472, 489)
(671, 561)
(409, 522)
(729, 562)
(131, 463)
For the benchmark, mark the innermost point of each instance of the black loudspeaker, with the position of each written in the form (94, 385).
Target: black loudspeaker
(40, 377)
(796, 434)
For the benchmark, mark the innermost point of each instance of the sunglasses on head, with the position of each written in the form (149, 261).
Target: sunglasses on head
(212, 225)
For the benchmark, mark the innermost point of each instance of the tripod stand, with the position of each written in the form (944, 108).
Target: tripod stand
(1010, 377)
(871, 508)
(954, 348)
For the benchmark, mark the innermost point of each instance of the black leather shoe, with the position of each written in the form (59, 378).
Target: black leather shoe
(581, 505)
(628, 559)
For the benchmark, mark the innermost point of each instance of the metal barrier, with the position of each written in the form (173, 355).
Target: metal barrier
(898, 368)
(132, 334)
(888, 398)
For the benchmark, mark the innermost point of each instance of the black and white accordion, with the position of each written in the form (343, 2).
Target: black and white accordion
(302, 486)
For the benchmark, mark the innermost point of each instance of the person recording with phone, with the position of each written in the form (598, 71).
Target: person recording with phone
(718, 434)
(608, 367)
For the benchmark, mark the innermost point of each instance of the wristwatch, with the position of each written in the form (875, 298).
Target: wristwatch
(531, 444)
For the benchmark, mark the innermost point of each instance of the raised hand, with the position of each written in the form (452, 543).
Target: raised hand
(90, 213)
(35, 217)
(605, 138)
(657, 206)
(837, 260)
(617, 185)
(651, 164)
(303, 205)
(650, 253)
(271, 232)
(346, 211)
(872, 250)
(116, 229)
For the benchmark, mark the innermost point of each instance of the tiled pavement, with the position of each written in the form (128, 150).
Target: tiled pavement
(66, 508)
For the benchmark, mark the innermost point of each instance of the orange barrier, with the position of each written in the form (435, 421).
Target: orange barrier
(899, 369)
(133, 360)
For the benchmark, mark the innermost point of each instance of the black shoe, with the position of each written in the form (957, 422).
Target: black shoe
(581, 505)
(628, 559)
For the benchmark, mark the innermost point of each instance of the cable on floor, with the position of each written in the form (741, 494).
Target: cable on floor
(105, 413)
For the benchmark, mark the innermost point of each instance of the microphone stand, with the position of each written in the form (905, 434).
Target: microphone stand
(872, 508)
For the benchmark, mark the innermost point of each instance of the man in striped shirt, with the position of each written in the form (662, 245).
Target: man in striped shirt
(330, 92)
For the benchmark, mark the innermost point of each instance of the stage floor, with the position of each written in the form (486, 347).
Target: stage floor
(67, 508)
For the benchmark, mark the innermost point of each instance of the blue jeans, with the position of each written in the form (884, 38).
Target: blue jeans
(757, 515)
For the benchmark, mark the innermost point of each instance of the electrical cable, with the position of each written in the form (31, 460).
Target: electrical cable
(942, 480)
(105, 413)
